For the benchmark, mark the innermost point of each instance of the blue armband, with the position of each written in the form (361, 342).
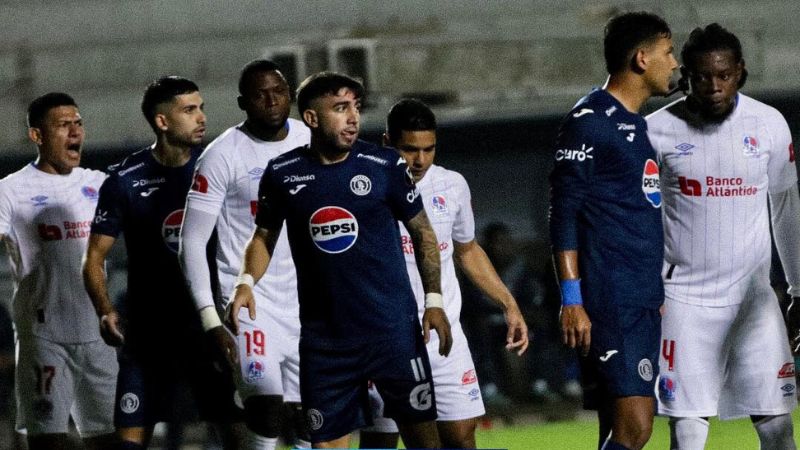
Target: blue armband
(571, 292)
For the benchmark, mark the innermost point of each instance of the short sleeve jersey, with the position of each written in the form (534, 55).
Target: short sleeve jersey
(144, 200)
(45, 219)
(716, 177)
(226, 186)
(447, 201)
(605, 203)
(342, 225)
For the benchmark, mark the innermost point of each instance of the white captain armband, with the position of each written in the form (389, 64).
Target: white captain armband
(434, 300)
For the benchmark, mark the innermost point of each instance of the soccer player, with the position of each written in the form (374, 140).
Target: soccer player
(341, 199)
(225, 194)
(605, 226)
(411, 129)
(159, 332)
(46, 208)
(724, 156)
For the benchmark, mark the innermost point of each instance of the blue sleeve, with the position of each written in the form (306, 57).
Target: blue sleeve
(401, 193)
(108, 214)
(571, 180)
(271, 210)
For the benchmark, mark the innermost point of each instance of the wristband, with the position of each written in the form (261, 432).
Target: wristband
(209, 318)
(434, 300)
(571, 292)
(244, 278)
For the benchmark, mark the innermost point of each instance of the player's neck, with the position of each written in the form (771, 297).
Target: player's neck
(629, 90)
(327, 153)
(170, 155)
(267, 134)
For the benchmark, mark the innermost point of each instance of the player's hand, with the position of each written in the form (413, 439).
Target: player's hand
(793, 324)
(242, 296)
(111, 329)
(227, 354)
(517, 336)
(436, 318)
(576, 328)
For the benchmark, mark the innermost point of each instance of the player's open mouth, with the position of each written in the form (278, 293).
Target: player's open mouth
(74, 148)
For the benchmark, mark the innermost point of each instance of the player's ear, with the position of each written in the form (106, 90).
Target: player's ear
(743, 74)
(35, 135)
(386, 141)
(639, 60)
(240, 102)
(161, 122)
(310, 118)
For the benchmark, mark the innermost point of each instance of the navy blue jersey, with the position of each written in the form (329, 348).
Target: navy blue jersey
(342, 227)
(144, 200)
(605, 203)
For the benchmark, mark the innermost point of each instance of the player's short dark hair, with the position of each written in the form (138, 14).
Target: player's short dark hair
(409, 114)
(325, 83)
(628, 32)
(40, 106)
(713, 37)
(161, 91)
(255, 67)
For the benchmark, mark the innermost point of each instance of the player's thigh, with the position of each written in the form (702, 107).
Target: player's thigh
(380, 423)
(693, 358)
(402, 374)
(458, 396)
(761, 377)
(623, 352)
(334, 391)
(287, 344)
(213, 390)
(44, 385)
(259, 357)
(95, 390)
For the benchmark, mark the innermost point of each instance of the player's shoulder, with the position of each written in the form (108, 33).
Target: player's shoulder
(750, 107)
(376, 155)
(285, 161)
(15, 178)
(593, 112)
(298, 131)
(668, 113)
(446, 176)
(227, 139)
(132, 165)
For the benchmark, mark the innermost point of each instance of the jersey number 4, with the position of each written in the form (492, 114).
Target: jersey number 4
(44, 379)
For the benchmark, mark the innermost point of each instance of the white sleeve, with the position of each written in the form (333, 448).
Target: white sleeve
(212, 175)
(464, 224)
(6, 211)
(781, 170)
(195, 233)
(785, 209)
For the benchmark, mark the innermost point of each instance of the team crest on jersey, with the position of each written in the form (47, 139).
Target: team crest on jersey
(333, 229)
(255, 371)
(751, 147)
(171, 229)
(439, 204)
(361, 185)
(39, 200)
(666, 388)
(651, 186)
(90, 193)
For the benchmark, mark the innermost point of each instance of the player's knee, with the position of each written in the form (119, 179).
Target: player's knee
(775, 432)
(688, 433)
(458, 434)
(634, 434)
(263, 414)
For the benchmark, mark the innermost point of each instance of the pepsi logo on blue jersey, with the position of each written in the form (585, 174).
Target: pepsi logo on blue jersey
(341, 222)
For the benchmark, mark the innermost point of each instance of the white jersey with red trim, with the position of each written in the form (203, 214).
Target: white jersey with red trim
(226, 186)
(448, 204)
(715, 179)
(45, 221)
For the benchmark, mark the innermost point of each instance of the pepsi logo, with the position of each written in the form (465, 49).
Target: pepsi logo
(171, 229)
(333, 229)
(651, 185)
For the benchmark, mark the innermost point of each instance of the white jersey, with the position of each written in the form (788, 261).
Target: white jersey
(226, 185)
(448, 204)
(45, 220)
(715, 179)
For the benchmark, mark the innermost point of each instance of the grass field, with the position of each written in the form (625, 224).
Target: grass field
(729, 435)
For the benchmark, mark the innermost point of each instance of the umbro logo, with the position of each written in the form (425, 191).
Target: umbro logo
(296, 189)
(608, 355)
(148, 192)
